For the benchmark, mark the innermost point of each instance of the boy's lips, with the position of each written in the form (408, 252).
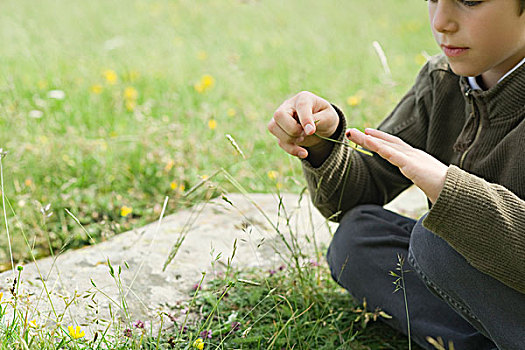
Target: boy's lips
(453, 51)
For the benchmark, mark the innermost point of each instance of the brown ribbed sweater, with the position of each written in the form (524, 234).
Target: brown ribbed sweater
(481, 134)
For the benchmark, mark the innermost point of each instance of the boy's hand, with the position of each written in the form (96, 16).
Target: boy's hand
(297, 119)
(425, 171)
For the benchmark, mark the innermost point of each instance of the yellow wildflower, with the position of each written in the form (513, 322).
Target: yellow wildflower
(125, 211)
(76, 333)
(28, 182)
(212, 124)
(279, 185)
(198, 344)
(1, 296)
(202, 55)
(173, 185)
(182, 187)
(96, 89)
(272, 174)
(32, 324)
(110, 76)
(206, 83)
(354, 100)
(231, 112)
(130, 98)
(130, 93)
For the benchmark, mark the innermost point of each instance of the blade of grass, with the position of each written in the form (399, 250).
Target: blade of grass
(2, 155)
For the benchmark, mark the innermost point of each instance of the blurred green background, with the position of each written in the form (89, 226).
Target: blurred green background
(109, 106)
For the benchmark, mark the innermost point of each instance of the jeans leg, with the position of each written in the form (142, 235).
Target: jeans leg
(492, 307)
(364, 250)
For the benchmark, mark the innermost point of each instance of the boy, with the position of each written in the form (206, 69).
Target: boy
(458, 135)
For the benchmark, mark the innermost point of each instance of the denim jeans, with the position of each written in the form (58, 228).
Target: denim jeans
(446, 296)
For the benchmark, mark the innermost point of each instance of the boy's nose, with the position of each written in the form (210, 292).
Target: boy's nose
(442, 16)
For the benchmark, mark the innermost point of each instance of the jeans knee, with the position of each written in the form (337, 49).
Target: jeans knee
(428, 254)
(362, 244)
(432, 256)
(343, 255)
(442, 269)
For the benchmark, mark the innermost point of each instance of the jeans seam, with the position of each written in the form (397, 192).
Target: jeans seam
(460, 306)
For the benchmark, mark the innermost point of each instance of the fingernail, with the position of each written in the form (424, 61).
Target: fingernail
(348, 133)
(302, 154)
(309, 129)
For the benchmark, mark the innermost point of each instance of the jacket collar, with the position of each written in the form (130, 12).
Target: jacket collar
(506, 98)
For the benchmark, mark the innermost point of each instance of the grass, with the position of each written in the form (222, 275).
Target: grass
(107, 107)
(132, 123)
(244, 310)
(272, 312)
(295, 306)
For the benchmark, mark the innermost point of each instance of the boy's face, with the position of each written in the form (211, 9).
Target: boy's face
(484, 37)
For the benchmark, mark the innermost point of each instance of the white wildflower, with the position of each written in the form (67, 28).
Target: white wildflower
(56, 94)
(36, 114)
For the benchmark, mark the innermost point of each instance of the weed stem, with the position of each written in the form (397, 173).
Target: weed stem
(347, 144)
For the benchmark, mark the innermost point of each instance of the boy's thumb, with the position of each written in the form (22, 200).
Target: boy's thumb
(309, 129)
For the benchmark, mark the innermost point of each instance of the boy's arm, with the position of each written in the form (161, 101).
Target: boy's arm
(485, 223)
(347, 178)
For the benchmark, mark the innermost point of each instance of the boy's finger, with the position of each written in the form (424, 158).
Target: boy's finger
(384, 136)
(303, 107)
(324, 119)
(356, 136)
(369, 142)
(280, 134)
(293, 149)
(284, 119)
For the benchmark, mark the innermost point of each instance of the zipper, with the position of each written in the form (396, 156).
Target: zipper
(464, 155)
(478, 131)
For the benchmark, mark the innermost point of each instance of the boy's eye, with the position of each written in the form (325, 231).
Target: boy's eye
(464, 2)
(470, 3)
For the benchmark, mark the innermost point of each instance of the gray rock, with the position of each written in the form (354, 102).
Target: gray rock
(207, 233)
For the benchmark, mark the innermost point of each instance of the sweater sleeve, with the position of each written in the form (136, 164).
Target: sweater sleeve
(485, 223)
(348, 178)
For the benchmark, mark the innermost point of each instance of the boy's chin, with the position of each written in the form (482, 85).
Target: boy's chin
(463, 70)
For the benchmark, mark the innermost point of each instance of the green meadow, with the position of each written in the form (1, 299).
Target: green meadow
(107, 107)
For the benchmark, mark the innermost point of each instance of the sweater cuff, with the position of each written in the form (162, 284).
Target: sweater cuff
(439, 212)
